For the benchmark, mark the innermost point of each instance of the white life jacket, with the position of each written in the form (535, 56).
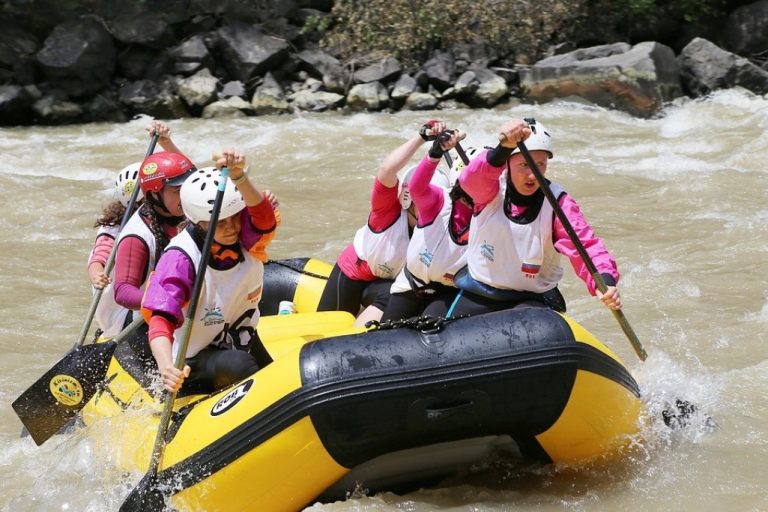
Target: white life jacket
(433, 255)
(384, 251)
(228, 309)
(110, 315)
(512, 255)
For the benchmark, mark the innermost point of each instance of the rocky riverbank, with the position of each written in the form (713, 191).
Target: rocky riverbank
(211, 59)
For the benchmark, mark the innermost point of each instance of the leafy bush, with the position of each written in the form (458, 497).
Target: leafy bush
(412, 30)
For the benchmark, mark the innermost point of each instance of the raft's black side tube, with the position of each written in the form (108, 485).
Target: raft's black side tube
(505, 373)
(280, 281)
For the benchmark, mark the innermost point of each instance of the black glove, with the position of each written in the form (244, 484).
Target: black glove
(426, 130)
(437, 151)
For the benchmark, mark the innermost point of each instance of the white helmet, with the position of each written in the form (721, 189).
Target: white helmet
(198, 194)
(540, 139)
(125, 181)
(459, 165)
(439, 179)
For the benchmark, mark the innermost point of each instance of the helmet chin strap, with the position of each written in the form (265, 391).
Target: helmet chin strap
(162, 211)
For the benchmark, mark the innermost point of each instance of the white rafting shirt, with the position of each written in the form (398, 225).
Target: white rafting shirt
(110, 316)
(228, 310)
(385, 251)
(511, 256)
(433, 256)
(109, 312)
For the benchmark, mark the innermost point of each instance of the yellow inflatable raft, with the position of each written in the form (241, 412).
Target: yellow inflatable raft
(383, 409)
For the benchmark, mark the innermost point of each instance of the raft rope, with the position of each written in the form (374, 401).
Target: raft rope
(299, 270)
(425, 324)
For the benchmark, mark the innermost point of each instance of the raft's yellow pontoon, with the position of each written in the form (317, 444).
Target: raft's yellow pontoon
(339, 407)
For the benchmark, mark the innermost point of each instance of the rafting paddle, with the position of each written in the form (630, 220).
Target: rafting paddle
(51, 402)
(56, 397)
(146, 495)
(599, 281)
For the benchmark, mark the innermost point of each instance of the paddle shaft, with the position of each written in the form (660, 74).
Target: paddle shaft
(111, 260)
(599, 281)
(186, 330)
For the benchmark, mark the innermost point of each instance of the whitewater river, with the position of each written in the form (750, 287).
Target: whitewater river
(680, 200)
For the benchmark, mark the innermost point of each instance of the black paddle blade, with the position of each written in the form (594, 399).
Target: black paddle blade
(56, 397)
(145, 497)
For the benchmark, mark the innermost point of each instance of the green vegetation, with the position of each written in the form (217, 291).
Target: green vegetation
(519, 30)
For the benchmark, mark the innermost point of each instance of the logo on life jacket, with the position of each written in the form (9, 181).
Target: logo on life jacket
(486, 250)
(66, 389)
(231, 399)
(426, 257)
(212, 317)
(530, 269)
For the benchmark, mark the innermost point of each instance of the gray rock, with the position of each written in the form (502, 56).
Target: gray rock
(637, 79)
(269, 98)
(705, 67)
(368, 96)
(230, 107)
(466, 84)
(491, 88)
(316, 101)
(421, 101)
(198, 90)
(440, 70)
(248, 52)
(52, 110)
(233, 88)
(746, 30)
(403, 88)
(383, 71)
(78, 56)
(156, 99)
(17, 52)
(191, 56)
(15, 105)
(144, 28)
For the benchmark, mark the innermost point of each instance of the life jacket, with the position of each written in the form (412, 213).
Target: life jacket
(514, 254)
(228, 309)
(384, 251)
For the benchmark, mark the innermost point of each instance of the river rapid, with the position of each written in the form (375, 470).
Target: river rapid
(680, 200)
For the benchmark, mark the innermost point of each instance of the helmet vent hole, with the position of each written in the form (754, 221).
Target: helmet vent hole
(202, 187)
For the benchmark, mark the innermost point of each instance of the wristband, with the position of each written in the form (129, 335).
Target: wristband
(239, 180)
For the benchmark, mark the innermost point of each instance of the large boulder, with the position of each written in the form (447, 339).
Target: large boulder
(17, 52)
(382, 71)
(636, 79)
(368, 96)
(248, 52)
(78, 56)
(199, 89)
(16, 105)
(269, 97)
(156, 99)
(705, 67)
(746, 30)
(325, 67)
(144, 28)
(191, 56)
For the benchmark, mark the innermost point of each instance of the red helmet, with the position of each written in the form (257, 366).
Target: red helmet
(164, 168)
